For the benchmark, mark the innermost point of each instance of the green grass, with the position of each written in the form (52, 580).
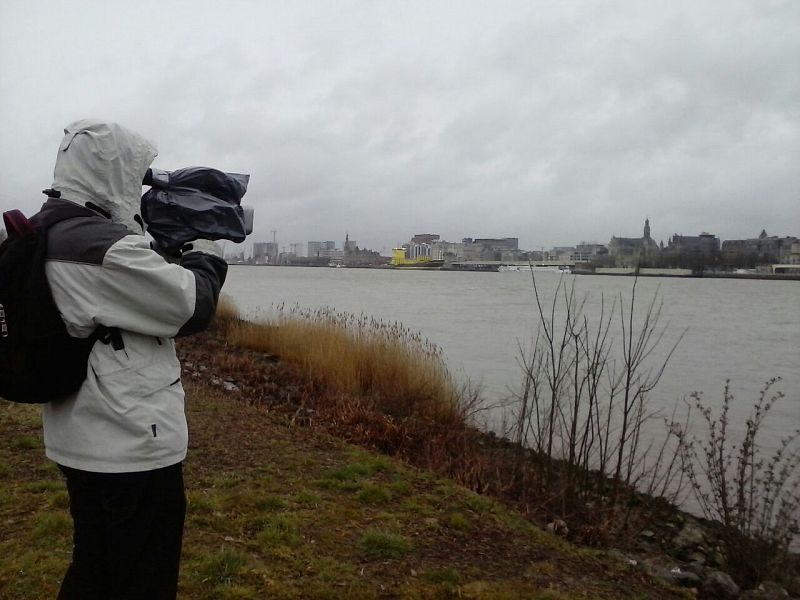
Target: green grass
(307, 498)
(458, 522)
(48, 525)
(444, 575)
(270, 503)
(279, 530)
(374, 494)
(381, 544)
(25, 442)
(351, 473)
(288, 513)
(222, 568)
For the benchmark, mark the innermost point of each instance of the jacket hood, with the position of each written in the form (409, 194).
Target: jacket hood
(103, 163)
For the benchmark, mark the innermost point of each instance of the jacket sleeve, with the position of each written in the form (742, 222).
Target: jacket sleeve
(209, 274)
(137, 290)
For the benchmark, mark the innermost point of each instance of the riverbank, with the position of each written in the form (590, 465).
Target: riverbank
(688, 273)
(281, 506)
(278, 509)
(656, 538)
(607, 272)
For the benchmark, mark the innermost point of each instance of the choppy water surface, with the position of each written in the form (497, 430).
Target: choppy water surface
(743, 330)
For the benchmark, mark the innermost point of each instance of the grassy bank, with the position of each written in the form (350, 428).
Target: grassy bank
(381, 386)
(384, 388)
(283, 511)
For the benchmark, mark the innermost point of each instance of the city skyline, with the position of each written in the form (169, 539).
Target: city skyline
(385, 249)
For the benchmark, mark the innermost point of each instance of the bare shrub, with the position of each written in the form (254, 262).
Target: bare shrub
(753, 493)
(583, 405)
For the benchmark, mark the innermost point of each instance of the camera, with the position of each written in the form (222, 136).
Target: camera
(195, 203)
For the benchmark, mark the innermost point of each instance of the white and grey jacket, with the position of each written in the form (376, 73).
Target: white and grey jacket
(129, 413)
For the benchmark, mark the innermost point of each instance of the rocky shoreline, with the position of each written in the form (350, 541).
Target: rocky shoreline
(687, 551)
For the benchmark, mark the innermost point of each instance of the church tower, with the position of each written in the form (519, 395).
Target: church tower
(647, 229)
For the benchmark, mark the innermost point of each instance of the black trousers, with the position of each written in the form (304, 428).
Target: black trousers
(128, 534)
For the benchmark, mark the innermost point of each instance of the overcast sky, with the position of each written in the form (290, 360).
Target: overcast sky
(556, 122)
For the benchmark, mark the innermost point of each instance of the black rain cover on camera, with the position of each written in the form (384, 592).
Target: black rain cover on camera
(195, 203)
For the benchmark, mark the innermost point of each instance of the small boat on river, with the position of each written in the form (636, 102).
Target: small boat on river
(535, 268)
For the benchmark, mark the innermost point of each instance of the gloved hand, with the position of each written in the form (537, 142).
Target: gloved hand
(171, 255)
(204, 246)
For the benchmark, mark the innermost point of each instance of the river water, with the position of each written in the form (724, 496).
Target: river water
(745, 331)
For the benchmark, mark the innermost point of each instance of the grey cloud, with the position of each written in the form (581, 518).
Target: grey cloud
(554, 122)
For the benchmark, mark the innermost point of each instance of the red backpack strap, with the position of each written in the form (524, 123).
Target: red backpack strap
(16, 223)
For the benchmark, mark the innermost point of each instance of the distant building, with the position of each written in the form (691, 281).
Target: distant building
(265, 253)
(794, 255)
(425, 238)
(415, 251)
(691, 251)
(764, 249)
(235, 258)
(705, 243)
(534, 255)
(332, 254)
(313, 248)
(430, 246)
(633, 252)
(448, 251)
(316, 249)
(562, 253)
(470, 250)
(501, 244)
(589, 252)
(490, 249)
(353, 256)
(260, 252)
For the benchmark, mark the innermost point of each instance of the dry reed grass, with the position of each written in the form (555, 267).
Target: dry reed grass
(376, 384)
(385, 366)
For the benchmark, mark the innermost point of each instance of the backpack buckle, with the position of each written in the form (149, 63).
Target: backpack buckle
(110, 335)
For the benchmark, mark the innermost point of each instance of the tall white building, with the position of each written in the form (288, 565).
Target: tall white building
(319, 248)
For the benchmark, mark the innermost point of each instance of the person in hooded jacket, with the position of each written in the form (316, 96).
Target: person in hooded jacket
(120, 440)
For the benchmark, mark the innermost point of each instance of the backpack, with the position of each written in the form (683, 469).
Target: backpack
(39, 360)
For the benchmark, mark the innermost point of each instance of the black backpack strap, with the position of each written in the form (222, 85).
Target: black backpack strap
(65, 211)
(68, 210)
